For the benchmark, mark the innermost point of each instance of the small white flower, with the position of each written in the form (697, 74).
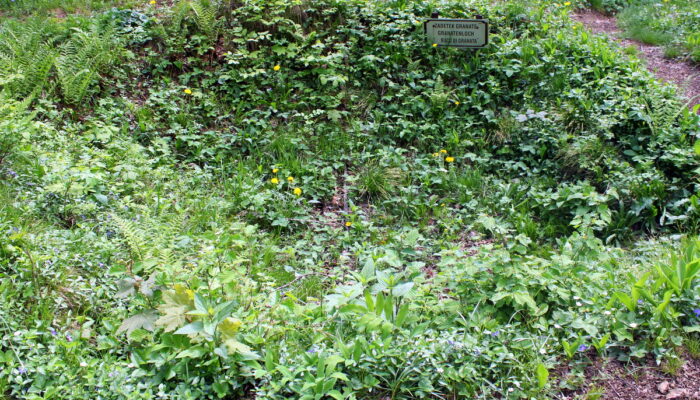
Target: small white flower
(607, 312)
(633, 325)
(440, 370)
(557, 326)
(18, 333)
(577, 298)
(511, 390)
(487, 332)
(543, 351)
(579, 304)
(131, 365)
(83, 364)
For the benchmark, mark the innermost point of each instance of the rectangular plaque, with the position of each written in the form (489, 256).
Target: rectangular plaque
(457, 32)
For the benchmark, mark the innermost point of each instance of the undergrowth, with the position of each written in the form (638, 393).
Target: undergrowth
(306, 200)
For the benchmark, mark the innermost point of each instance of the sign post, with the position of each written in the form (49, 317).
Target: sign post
(465, 33)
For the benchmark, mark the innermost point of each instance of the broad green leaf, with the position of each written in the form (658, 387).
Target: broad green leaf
(192, 352)
(524, 298)
(189, 329)
(401, 315)
(542, 375)
(402, 289)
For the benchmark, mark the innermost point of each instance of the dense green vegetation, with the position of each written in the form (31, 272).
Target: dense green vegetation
(674, 24)
(286, 199)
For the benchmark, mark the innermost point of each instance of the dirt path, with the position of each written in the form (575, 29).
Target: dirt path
(683, 74)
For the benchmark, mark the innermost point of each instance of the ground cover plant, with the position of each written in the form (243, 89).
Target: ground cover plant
(673, 24)
(291, 199)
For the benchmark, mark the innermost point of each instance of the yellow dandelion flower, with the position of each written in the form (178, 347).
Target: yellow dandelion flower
(443, 151)
(276, 67)
(568, 3)
(348, 224)
(274, 181)
(456, 102)
(290, 179)
(449, 159)
(275, 170)
(152, 2)
(297, 191)
(435, 154)
(188, 91)
(434, 44)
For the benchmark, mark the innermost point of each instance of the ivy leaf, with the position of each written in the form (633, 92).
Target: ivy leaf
(144, 320)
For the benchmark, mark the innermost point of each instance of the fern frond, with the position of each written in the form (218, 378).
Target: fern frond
(134, 237)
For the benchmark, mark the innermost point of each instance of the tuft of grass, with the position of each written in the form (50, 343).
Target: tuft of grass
(594, 392)
(672, 365)
(375, 181)
(672, 52)
(692, 344)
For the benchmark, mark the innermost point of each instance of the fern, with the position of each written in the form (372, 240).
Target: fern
(206, 12)
(30, 59)
(134, 237)
(147, 244)
(26, 60)
(82, 57)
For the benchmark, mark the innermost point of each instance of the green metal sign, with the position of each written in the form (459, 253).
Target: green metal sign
(457, 32)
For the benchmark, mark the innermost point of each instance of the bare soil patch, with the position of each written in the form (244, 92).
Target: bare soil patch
(639, 381)
(684, 75)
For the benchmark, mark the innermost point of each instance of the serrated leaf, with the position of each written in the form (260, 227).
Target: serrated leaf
(176, 304)
(234, 346)
(229, 327)
(125, 287)
(143, 320)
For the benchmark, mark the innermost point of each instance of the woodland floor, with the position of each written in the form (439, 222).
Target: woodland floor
(683, 74)
(613, 380)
